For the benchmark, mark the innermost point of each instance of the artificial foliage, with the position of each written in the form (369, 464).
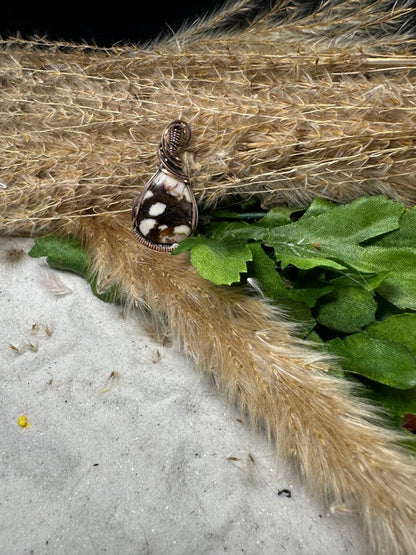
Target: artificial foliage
(365, 316)
(287, 102)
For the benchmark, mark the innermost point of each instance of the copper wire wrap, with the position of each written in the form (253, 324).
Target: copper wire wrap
(176, 135)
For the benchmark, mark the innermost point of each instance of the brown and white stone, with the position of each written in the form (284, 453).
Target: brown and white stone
(165, 212)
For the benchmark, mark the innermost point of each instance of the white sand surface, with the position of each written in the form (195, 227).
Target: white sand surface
(130, 450)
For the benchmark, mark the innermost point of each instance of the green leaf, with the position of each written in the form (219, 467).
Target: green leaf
(303, 258)
(399, 264)
(188, 244)
(398, 402)
(273, 285)
(367, 281)
(220, 263)
(310, 295)
(332, 238)
(400, 328)
(405, 236)
(380, 360)
(278, 216)
(356, 222)
(236, 233)
(263, 269)
(347, 309)
(64, 252)
(314, 336)
(301, 314)
(318, 207)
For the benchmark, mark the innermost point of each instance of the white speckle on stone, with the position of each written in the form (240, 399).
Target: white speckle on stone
(182, 230)
(148, 194)
(168, 181)
(162, 227)
(157, 208)
(173, 186)
(180, 191)
(146, 225)
(179, 233)
(187, 194)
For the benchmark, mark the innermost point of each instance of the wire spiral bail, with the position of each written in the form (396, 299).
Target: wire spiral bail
(176, 135)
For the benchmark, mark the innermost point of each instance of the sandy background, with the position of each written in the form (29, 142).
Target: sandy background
(130, 450)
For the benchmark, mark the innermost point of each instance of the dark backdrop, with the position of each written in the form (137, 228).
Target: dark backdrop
(115, 21)
(105, 24)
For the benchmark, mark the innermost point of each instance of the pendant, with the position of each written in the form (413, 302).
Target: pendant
(165, 212)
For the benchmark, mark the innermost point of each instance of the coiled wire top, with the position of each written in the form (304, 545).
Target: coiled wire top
(175, 136)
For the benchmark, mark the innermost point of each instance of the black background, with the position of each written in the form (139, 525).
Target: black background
(116, 22)
(104, 25)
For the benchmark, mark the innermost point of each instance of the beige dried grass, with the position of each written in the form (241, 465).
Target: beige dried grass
(321, 106)
(286, 108)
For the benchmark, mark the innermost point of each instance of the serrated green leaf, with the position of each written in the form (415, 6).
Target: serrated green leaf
(221, 264)
(299, 258)
(404, 236)
(332, 239)
(187, 244)
(399, 286)
(400, 328)
(379, 360)
(347, 309)
(362, 219)
(237, 233)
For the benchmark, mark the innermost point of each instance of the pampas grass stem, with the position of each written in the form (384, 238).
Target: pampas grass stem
(285, 104)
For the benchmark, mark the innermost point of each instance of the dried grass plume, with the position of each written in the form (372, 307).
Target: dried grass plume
(286, 103)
